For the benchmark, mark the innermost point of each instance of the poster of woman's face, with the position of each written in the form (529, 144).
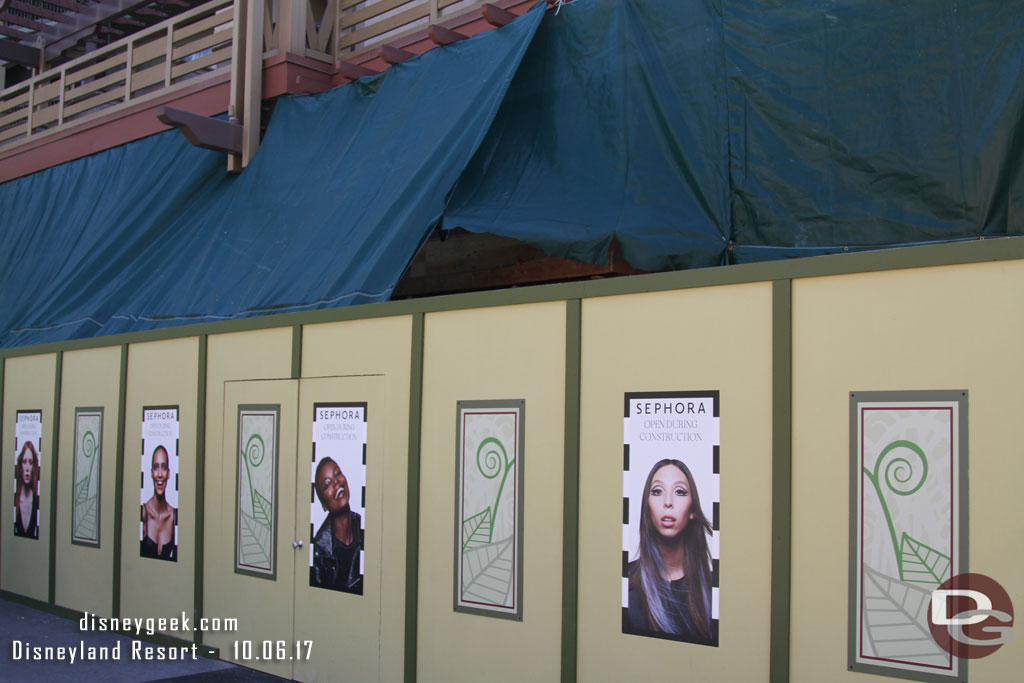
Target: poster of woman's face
(670, 516)
(28, 438)
(158, 521)
(338, 479)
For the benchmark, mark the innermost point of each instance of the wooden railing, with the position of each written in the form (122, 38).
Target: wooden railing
(363, 25)
(196, 45)
(188, 46)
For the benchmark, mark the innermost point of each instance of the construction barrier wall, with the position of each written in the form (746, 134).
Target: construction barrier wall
(780, 347)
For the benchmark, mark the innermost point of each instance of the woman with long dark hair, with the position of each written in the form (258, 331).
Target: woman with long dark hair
(26, 495)
(670, 578)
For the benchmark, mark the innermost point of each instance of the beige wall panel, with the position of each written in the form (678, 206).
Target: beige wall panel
(955, 327)
(89, 379)
(344, 628)
(256, 355)
(377, 346)
(697, 339)
(229, 594)
(159, 374)
(24, 562)
(512, 352)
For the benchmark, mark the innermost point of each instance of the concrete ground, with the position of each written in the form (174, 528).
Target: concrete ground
(23, 629)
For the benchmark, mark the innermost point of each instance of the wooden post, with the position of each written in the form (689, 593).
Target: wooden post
(63, 97)
(31, 104)
(127, 76)
(253, 86)
(291, 27)
(236, 105)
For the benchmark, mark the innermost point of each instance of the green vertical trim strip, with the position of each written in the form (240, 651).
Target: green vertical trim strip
(54, 468)
(571, 490)
(3, 399)
(122, 400)
(412, 511)
(296, 351)
(200, 485)
(782, 468)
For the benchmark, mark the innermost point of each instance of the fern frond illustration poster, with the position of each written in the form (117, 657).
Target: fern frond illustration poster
(908, 526)
(256, 494)
(85, 503)
(489, 508)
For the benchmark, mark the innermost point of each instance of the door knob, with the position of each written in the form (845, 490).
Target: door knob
(297, 544)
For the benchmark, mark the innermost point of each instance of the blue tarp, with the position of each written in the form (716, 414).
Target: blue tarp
(345, 187)
(704, 132)
(696, 132)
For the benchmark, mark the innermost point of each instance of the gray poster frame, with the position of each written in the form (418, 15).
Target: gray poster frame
(960, 396)
(460, 407)
(99, 475)
(274, 408)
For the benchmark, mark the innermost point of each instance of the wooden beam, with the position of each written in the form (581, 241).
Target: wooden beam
(354, 71)
(203, 131)
(69, 5)
(65, 34)
(444, 36)
(128, 21)
(495, 16)
(18, 53)
(5, 15)
(36, 10)
(395, 55)
(152, 12)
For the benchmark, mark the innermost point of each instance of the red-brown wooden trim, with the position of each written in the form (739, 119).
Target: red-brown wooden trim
(203, 131)
(496, 16)
(354, 71)
(395, 55)
(444, 36)
(207, 98)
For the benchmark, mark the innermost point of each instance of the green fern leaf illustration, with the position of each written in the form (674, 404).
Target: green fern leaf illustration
(85, 516)
(477, 529)
(82, 490)
(488, 572)
(896, 621)
(920, 563)
(261, 508)
(254, 542)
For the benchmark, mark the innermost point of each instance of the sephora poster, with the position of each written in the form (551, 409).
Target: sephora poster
(337, 506)
(670, 516)
(28, 455)
(158, 523)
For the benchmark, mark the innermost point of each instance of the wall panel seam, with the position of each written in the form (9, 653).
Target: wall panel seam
(54, 487)
(412, 529)
(782, 444)
(200, 486)
(570, 504)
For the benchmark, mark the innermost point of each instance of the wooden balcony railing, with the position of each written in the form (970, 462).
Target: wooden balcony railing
(198, 44)
(188, 46)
